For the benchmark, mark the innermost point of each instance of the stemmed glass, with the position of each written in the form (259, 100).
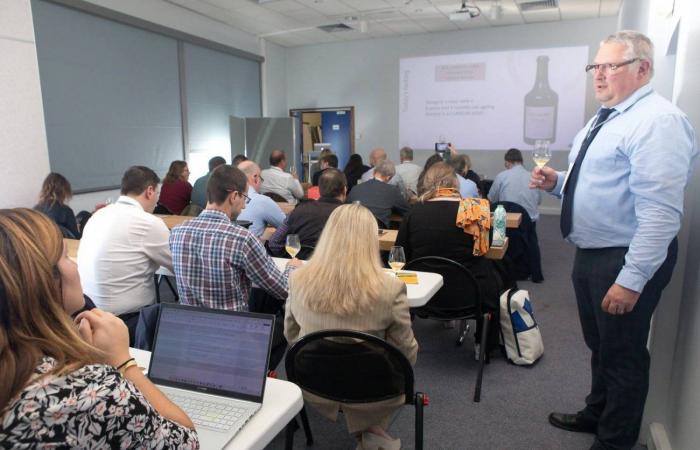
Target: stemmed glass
(541, 154)
(397, 258)
(292, 245)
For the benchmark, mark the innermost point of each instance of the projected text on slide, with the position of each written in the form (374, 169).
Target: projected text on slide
(493, 100)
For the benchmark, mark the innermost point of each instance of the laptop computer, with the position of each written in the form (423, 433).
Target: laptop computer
(213, 364)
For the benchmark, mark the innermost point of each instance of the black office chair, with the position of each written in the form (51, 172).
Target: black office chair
(276, 197)
(459, 298)
(351, 367)
(160, 209)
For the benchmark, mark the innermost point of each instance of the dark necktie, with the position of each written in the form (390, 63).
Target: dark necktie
(567, 206)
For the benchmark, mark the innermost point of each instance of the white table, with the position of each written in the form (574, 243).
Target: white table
(418, 294)
(281, 403)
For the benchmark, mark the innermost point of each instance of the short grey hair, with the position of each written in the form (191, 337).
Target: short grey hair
(385, 169)
(406, 153)
(637, 45)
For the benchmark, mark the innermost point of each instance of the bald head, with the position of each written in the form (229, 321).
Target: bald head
(278, 159)
(252, 172)
(376, 156)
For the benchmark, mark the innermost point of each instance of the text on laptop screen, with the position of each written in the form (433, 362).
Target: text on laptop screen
(211, 350)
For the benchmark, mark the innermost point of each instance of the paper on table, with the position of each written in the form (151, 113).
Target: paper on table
(408, 277)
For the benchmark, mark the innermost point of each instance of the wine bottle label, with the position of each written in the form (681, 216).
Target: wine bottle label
(539, 122)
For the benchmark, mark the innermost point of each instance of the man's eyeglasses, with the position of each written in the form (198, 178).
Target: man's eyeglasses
(608, 67)
(247, 199)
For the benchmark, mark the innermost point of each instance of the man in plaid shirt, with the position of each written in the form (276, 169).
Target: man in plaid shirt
(215, 260)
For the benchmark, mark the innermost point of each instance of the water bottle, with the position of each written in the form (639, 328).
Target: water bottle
(499, 227)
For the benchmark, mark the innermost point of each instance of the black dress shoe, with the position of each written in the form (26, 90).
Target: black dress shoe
(572, 422)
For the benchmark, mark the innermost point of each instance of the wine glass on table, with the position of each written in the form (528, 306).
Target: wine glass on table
(541, 154)
(397, 259)
(293, 245)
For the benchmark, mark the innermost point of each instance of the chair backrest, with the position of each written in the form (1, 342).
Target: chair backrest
(66, 233)
(518, 242)
(460, 294)
(276, 197)
(160, 209)
(349, 367)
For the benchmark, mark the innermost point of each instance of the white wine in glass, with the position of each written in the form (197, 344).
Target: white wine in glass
(292, 245)
(397, 258)
(541, 154)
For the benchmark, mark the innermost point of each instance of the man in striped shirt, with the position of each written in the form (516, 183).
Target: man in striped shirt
(216, 261)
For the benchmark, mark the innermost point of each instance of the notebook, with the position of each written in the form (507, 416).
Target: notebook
(213, 364)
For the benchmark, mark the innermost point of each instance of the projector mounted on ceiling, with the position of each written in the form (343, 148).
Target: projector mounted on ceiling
(466, 12)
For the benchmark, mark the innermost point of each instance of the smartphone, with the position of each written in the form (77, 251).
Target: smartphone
(441, 147)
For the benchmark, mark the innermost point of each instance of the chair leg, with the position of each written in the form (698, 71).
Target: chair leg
(156, 280)
(463, 330)
(419, 421)
(307, 427)
(172, 289)
(291, 428)
(482, 352)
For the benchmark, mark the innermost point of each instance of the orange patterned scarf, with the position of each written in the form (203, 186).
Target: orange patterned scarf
(474, 216)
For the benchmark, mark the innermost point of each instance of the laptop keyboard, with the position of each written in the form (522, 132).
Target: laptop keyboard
(219, 416)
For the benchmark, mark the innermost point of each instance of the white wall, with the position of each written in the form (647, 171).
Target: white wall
(365, 74)
(23, 150)
(678, 380)
(274, 80)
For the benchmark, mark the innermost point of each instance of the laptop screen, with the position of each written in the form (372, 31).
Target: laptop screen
(213, 351)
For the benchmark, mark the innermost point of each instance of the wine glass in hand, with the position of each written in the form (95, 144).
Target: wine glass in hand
(397, 258)
(292, 245)
(541, 154)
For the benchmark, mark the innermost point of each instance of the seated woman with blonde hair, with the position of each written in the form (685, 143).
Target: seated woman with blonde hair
(343, 286)
(65, 383)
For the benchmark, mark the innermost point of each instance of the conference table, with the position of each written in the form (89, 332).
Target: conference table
(386, 240)
(282, 401)
(417, 294)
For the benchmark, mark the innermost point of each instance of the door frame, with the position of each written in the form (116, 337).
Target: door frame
(341, 108)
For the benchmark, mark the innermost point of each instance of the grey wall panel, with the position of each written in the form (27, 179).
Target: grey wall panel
(219, 85)
(111, 96)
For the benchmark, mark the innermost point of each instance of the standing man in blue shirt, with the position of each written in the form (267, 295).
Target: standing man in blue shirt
(622, 204)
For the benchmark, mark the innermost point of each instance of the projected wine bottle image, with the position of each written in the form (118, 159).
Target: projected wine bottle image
(541, 106)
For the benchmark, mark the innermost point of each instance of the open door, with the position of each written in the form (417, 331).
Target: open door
(334, 126)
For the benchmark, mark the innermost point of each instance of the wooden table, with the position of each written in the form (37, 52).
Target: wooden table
(513, 220)
(172, 221)
(286, 207)
(388, 239)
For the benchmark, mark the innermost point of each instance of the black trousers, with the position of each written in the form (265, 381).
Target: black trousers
(619, 360)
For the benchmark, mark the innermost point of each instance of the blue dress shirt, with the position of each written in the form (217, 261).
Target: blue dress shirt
(467, 188)
(511, 185)
(630, 188)
(262, 211)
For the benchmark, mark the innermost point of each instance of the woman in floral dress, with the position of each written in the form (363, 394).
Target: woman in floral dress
(69, 383)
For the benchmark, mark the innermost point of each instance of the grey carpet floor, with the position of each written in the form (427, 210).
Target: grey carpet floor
(512, 414)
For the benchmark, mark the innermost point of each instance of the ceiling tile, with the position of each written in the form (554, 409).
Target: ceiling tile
(576, 9)
(329, 7)
(362, 5)
(283, 6)
(404, 26)
(609, 7)
(226, 4)
(546, 15)
(438, 24)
